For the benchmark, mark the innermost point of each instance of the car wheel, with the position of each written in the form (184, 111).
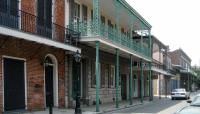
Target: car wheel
(186, 98)
(172, 98)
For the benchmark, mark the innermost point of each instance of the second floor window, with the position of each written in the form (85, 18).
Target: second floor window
(110, 24)
(103, 20)
(9, 6)
(84, 13)
(104, 73)
(91, 14)
(77, 11)
(44, 12)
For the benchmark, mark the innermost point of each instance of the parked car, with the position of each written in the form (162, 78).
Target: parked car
(180, 93)
(193, 108)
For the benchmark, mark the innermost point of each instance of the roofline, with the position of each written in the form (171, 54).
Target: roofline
(159, 41)
(183, 52)
(123, 2)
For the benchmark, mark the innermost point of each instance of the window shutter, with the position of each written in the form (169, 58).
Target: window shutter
(3, 6)
(91, 14)
(14, 7)
(84, 12)
(48, 13)
(40, 12)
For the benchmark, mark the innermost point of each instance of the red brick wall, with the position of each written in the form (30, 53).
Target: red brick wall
(28, 12)
(29, 19)
(29, 6)
(59, 12)
(175, 57)
(59, 19)
(34, 54)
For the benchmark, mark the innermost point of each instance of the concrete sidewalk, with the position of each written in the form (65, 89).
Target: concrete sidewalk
(104, 108)
(107, 107)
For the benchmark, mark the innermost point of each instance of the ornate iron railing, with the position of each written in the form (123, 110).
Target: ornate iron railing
(112, 34)
(159, 65)
(27, 22)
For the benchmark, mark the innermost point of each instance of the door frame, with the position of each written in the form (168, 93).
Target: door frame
(55, 80)
(25, 77)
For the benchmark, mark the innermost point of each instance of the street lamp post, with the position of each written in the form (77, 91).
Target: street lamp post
(77, 58)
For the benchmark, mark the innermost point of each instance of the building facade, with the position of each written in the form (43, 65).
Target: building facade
(109, 50)
(182, 63)
(39, 38)
(34, 52)
(161, 66)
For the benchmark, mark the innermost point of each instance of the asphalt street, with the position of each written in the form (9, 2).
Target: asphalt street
(163, 106)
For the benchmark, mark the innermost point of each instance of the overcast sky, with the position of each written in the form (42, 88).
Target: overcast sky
(174, 22)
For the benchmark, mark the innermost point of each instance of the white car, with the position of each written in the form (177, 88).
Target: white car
(179, 93)
(193, 108)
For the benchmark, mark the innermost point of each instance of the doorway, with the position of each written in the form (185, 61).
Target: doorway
(51, 81)
(14, 84)
(123, 87)
(135, 88)
(49, 85)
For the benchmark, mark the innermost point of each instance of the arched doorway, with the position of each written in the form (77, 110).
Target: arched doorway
(51, 81)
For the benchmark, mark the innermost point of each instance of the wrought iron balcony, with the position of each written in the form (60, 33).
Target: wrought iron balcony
(87, 30)
(29, 23)
(159, 65)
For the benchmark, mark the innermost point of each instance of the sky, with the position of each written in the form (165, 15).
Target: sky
(174, 22)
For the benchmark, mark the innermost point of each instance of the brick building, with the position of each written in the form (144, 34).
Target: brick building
(182, 63)
(39, 38)
(34, 51)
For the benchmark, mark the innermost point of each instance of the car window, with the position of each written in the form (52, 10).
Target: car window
(178, 90)
(196, 101)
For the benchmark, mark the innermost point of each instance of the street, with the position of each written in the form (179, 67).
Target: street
(163, 106)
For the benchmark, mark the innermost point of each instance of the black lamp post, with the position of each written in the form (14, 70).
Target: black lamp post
(77, 58)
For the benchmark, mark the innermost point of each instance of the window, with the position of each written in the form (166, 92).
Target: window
(122, 30)
(104, 73)
(135, 82)
(76, 11)
(9, 6)
(84, 11)
(9, 13)
(134, 77)
(111, 77)
(135, 64)
(91, 14)
(44, 19)
(93, 76)
(110, 24)
(44, 12)
(103, 20)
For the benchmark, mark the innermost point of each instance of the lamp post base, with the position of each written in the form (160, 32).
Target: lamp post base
(78, 105)
(78, 111)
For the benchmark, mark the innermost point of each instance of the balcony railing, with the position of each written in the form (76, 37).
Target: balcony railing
(107, 32)
(29, 23)
(159, 65)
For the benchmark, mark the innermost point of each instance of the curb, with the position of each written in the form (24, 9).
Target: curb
(122, 108)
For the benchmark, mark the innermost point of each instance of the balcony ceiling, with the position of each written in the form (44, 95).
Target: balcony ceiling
(107, 8)
(111, 48)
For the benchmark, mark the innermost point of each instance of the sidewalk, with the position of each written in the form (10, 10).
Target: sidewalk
(107, 107)
(104, 108)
